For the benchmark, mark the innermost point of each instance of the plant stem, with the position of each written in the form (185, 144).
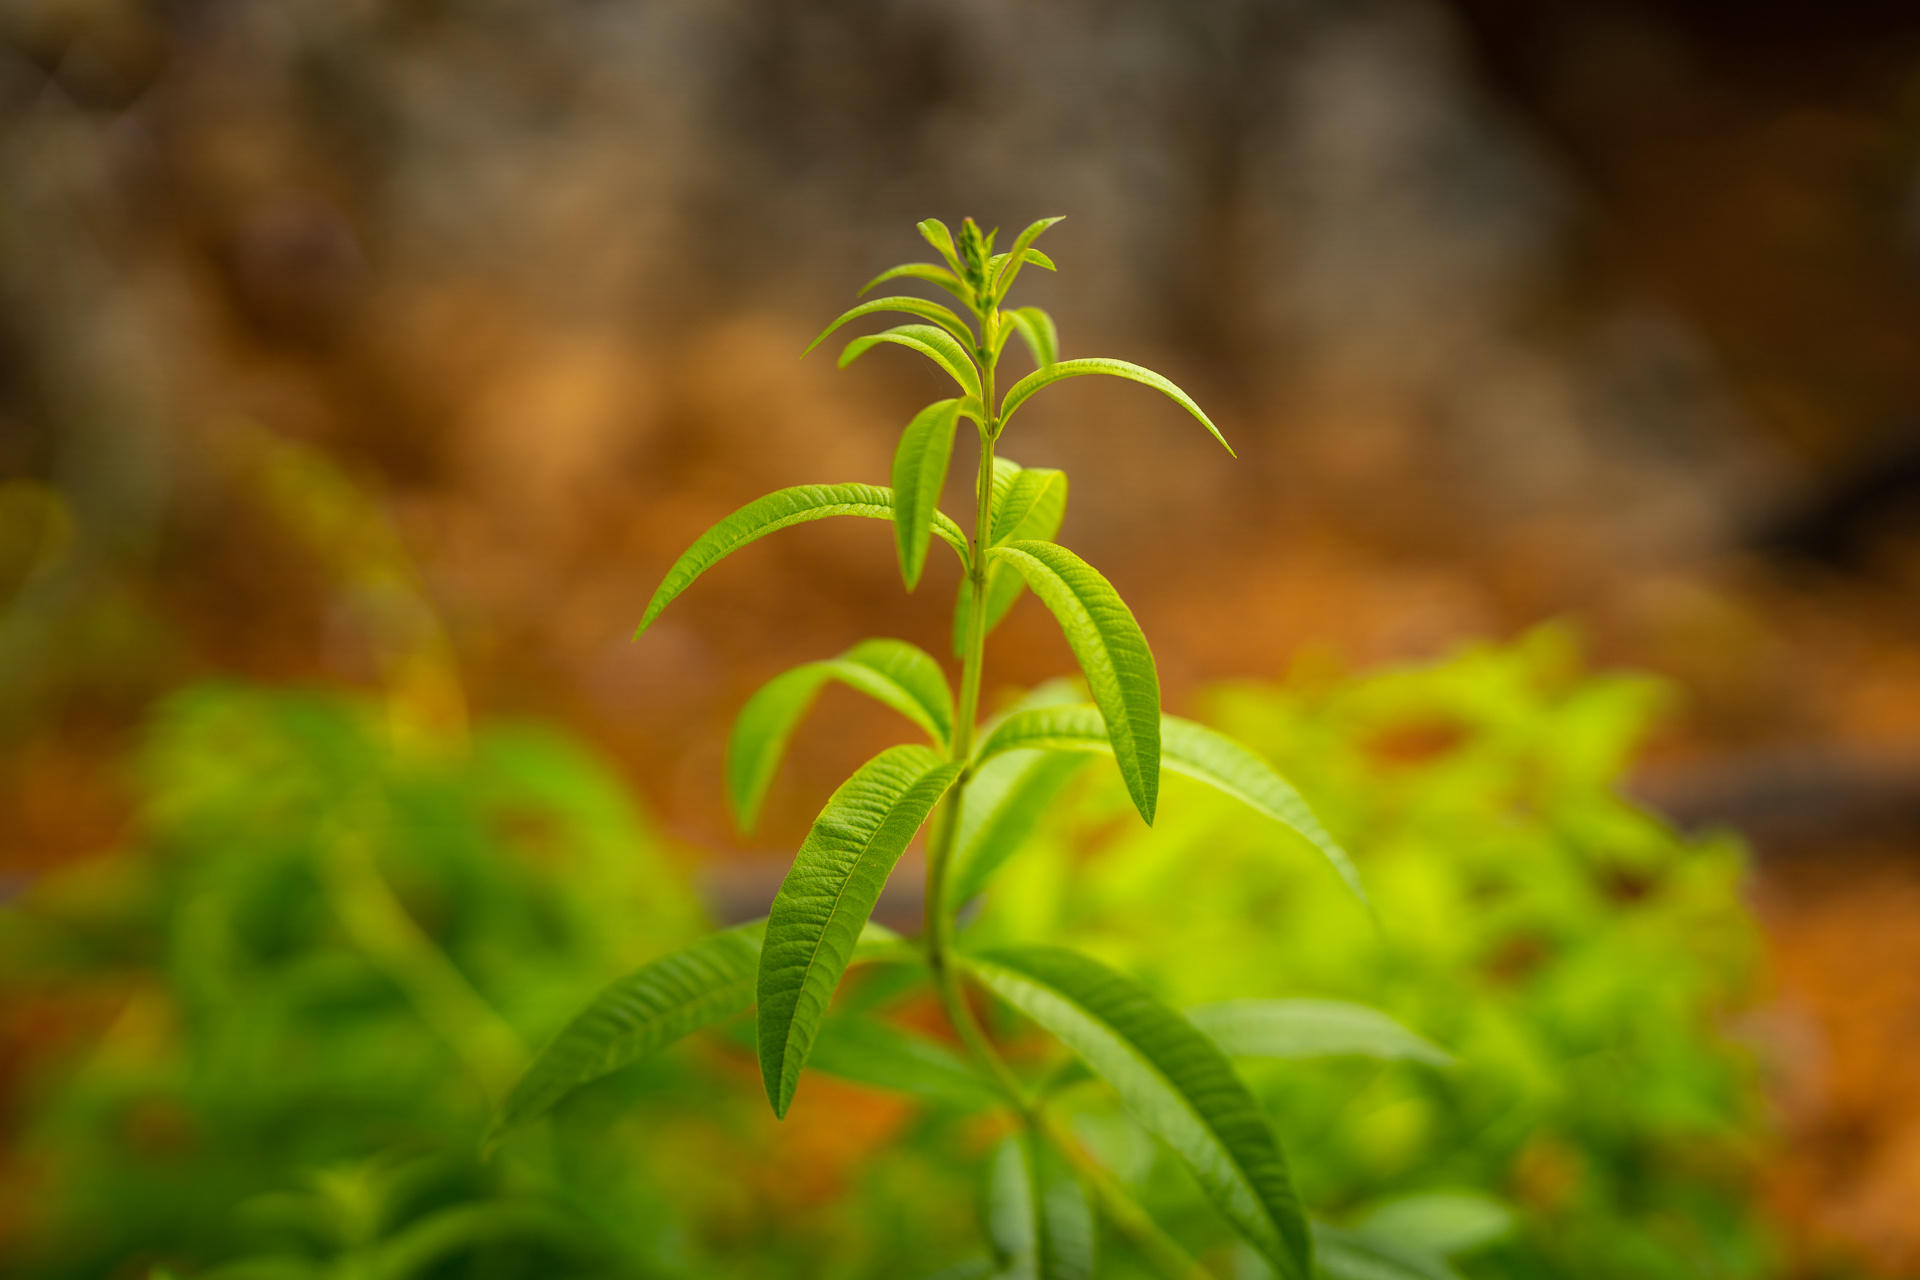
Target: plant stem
(1122, 1210)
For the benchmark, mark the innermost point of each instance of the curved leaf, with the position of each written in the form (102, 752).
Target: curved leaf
(1021, 391)
(1041, 504)
(1311, 1029)
(828, 895)
(891, 672)
(923, 271)
(935, 233)
(650, 1008)
(1016, 257)
(1439, 1222)
(1038, 1215)
(1037, 330)
(1185, 748)
(919, 473)
(870, 1052)
(777, 511)
(912, 306)
(1004, 802)
(1358, 1255)
(1112, 652)
(935, 344)
(1173, 1079)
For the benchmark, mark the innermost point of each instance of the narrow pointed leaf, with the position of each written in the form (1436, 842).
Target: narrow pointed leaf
(1040, 503)
(1038, 1215)
(892, 672)
(1173, 1079)
(870, 1052)
(936, 345)
(827, 896)
(1037, 330)
(923, 271)
(932, 311)
(1311, 1029)
(935, 233)
(778, 511)
(637, 1015)
(1185, 748)
(1017, 256)
(919, 473)
(1021, 391)
(1106, 639)
(1003, 804)
(1439, 1222)
(1358, 1255)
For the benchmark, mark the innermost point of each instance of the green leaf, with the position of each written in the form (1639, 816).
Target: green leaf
(1021, 391)
(870, 1052)
(933, 311)
(1173, 1079)
(935, 344)
(1439, 1222)
(777, 511)
(1004, 802)
(1112, 652)
(1356, 1255)
(1311, 1029)
(1185, 748)
(828, 895)
(891, 672)
(637, 1015)
(1038, 1216)
(1016, 257)
(1037, 330)
(1024, 509)
(924, 271)
(919, 473)
(935, 233)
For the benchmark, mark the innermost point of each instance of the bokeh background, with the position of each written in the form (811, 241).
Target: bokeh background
(1597, 310)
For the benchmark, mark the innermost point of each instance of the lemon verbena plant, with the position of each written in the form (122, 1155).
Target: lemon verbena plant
(983, 789)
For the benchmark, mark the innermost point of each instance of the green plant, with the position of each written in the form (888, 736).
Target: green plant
(983, 790)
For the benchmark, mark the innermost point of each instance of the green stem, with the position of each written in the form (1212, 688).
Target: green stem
(1166, 1254)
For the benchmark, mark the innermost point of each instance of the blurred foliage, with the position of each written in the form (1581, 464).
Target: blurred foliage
(287, 1071)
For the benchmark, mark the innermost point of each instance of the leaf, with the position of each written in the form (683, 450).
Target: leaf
(1021, 391)
(1042, 502)
(935, 344)
(1112, 652)
(935, 233)
(870, 1052)
(1355, 1255)
(919, 473)
(923, 271)
(1439, 1222)
(1174, 1080)
(891, 672)
(637, 1015)
(1037, 1213)
(1004, 802)
(828, 895)
(1185, 748)
(1037, 330)
(777, 511)
(933, 311)
(1311, 1029)
(1016, 257)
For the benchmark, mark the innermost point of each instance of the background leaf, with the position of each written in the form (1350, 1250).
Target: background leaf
(919, 473)
(778, 511)
(1440, 1222)
(1038, 1216)
(1019, 393)
(870, 1052)
(828, 895)
(1004, 802)
(892, 672)
(1311, 1029)
(1174, 1081)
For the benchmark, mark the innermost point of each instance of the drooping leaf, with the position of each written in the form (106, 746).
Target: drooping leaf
(1003, 804)
(1038, 497)
(923, 271)
(1106, 639)
(1185, 748)
(935, 344)
(1173, 1079)
(919, 473)
(1016, 257)
(1021, 391)
(935, 233)
(892, 672)
(1439, 1222)
(1038, 331)
(1356, 1255)
(1311, 1029)
(912, 306)
(868, 1051)
(827, 896)
(777, 511)
(637, 1015)
(1038, 1215)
